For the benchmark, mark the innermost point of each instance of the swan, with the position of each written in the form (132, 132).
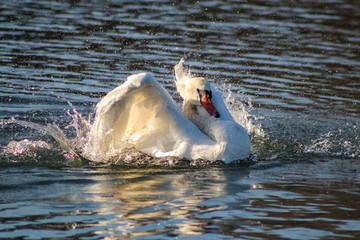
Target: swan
(140, 113)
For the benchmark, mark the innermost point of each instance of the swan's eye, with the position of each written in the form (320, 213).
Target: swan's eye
(203, 93)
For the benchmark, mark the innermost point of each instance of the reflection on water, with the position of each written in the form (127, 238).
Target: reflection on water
(161, 200)
(289, 202)
(289, 71)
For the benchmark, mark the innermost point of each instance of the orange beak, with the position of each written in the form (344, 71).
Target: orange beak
(209, 106)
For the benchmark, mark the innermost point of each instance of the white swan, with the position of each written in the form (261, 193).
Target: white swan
(141, 113)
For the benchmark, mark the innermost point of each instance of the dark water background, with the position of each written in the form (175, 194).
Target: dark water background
(290, 71)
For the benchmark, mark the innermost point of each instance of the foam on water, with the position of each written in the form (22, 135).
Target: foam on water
(66, 148)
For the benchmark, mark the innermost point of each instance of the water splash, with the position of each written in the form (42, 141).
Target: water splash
(66, 149)
(280, 134)
(242, 115)
(335, 143)
(26, 148)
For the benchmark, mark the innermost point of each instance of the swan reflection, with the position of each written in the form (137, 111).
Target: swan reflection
(162, 201)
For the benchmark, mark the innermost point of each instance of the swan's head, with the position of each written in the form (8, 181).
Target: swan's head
(199, 91)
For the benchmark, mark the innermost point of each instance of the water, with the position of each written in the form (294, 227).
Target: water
(289, 71)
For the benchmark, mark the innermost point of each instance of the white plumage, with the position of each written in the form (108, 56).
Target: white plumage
(141, 113)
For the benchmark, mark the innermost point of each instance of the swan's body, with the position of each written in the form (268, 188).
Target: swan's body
(141, 113)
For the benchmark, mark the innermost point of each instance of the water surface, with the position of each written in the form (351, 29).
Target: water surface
(290, 75)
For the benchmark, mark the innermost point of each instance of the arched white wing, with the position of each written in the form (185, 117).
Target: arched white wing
(141, 113)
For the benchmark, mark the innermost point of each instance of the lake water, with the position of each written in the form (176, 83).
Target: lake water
(290, 74)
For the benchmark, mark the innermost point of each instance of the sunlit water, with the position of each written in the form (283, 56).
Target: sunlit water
(289, 73)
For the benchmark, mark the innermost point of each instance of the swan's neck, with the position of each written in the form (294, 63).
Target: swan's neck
(198, 115)
(192, 109)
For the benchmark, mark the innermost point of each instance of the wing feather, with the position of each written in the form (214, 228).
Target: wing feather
(141, 112)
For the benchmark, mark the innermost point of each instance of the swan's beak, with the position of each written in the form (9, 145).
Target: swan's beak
(205, 100)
